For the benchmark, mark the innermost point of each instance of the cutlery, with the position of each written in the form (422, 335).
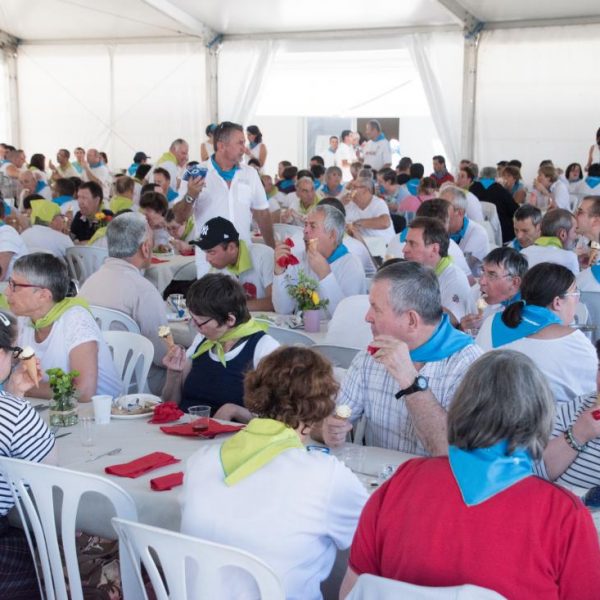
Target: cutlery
(109, 453)
(62, 435)
(41, 407)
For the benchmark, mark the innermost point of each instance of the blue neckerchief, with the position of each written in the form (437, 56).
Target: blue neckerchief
(484, 472)
(132, 170)
(413, 186)
(337, 253)
(77, 167)
(39, 186)
(533, 319)
(516, 187)
(96, 165)
(253, 145)
(7, 209)
(403, 235)
(171, 194)
(509, 301)
(444, 342)
(516, 244)
(487, 182)
(3, 161)
(592, 181)
(226, 175)
(338, 189)
(596, 272)
(60, 200)
(285, 185)
(380, 137)
(317, 184)
(460, 234)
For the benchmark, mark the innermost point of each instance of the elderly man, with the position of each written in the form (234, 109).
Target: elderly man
(405, 381)
(527, 222)
(300, 203)
(332, 188)
(13, 164)
(550, 190)
(250, 264)
(119, 284)
(377, 152)
(338, 272)
(95, 170)
(588, 225)
(427, 244)
(367, 213)
(557, 242)
(31, 184)
(174, 160)
(230, 190)
(64, 169)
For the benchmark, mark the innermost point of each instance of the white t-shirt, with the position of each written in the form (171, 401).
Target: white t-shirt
(377, 153)
(74, 327)
(475, 241)
(539, 254)
(11, 241)
(103, 174)
(71, 205)
(474, 210)
(293, 513)
(345, 152)
(40, 238)
(360, 251)
(375, 208)
(560, 193)
(330, 158)
(456, 292)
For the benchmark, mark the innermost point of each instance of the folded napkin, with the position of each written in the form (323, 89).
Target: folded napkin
(142, 465)
(157, 261)
(187, 252)
(167, 482)
(166, 412)
(214, 428)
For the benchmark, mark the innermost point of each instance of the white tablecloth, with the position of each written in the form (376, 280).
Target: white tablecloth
(161, 274)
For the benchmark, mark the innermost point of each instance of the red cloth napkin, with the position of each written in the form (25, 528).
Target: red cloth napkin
(157, 261)
(187, 252)
(166, 412)
(214, 428)
(142, 465)
(167, 482)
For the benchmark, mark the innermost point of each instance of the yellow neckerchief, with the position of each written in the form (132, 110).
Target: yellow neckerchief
(254, 447)
(99, 233)
(548, 240)
(244, 261)
(444, 263)
(119, 203)
(4, 302)
(43, 211)
(240, 331)
(57, 311)
(167, 157)
(304, 211)
(189, 227)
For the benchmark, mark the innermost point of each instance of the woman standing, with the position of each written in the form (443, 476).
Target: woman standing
(207, 148)
(256, 147)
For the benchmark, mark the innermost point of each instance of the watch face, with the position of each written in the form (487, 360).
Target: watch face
(421, 383)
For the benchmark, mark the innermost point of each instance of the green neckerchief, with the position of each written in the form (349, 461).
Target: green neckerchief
(4, 302)
(189, 227)
(43, 211)
(444, 263)
(244, 261)
(304, 211)
(547, 240)
(99, 233)
(119, 203)
(57, 311)
(167, 157)
(241, 331)
(254, 447)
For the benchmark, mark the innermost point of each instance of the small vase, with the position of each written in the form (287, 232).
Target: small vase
(63, 412)
(312, 320)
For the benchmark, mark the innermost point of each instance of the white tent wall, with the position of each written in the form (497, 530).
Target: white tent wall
(119, 98)
(538, 96)
(5, 109)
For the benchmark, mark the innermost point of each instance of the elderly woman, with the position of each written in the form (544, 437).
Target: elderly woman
(444, 521)
(538, 326)
(229, 343)
(61, 330)
(368, 213)
(289, 507)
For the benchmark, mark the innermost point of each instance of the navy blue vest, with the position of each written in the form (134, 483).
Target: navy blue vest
(210, 383)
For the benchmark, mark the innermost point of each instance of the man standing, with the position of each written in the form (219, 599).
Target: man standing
(95, 170)
(405, 382)
(440, 173)
(377, 152)
(64, 169)
(346, 155)
(330, 157)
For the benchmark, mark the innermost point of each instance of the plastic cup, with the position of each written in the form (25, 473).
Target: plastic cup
(199, 415)
(102, 406)
(87, 431)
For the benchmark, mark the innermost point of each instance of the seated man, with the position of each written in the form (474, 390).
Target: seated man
(440, 173)
(300, 203)
(119, 284)
(64, 196)
(333, 187)
(85, 223)
(464, 180)
(12, 247)
(338, 272)
(557, 242)
(527, 222)
(427, 244)
(123, 199)
(32, 184)
(250, 264)
(588, 225)
(45, 233)
(369, 214)
(407, 385)
(154, 206)
(163, 180)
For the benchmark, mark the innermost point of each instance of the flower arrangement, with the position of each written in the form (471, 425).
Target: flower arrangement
(64, 397)
(305, 293)
(102, 219)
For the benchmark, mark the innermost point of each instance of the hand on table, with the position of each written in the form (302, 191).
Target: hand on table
(393, 354)
(233, 412)
(175, 359)
(335, 430)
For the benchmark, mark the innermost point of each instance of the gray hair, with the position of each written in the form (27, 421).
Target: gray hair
(125, 234)
(306, 178)
(413, 287)
(367, 182)
(503, 396)
(176, 143)
(333, 169)
(528, 211)
(375, 124)
(456, 195)
(45, 270)
(488, 173)
(333, 220)
(511, 260)
(475, 168)
(555, 220)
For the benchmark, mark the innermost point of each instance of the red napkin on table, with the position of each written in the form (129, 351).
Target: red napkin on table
(142, 465)
(290, 259)
(167, 482)
(214, 428)
(157, 261)
(166, 412)
(187, 252)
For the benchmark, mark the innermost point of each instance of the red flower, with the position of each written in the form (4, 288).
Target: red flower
(250, 290)
(287, 261)
(289, 242)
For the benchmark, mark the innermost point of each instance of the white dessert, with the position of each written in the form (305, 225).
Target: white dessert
(164, 332)
(481, 304)
(343, 411)
(28, 358)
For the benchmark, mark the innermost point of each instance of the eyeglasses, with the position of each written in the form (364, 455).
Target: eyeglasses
(493, 276)
(13, 285)
(16, 351)
(576, 292)
(198, 325)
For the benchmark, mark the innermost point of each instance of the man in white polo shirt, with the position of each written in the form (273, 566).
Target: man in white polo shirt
(377, 152)
(369, 214)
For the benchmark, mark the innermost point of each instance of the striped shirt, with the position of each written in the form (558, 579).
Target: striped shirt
(369, 389)
(23, 435)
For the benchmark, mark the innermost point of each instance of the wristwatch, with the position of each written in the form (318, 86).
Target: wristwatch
(420, 384)
(189, 199)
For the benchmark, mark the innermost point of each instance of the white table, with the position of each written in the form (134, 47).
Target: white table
(161, 274)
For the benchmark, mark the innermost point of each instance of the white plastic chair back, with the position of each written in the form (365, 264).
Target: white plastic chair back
(109, 319)
(490, 215)
(490, 233)
(176, 551)
(348, 327)
(591, 300)
(132, 354)
(582, 314)
(289, 337)
(34, 488)
(84, 260)
(338, 355)
(368, 587)
(283, 230)
(186, 272)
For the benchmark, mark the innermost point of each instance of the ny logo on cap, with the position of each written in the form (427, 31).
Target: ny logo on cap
(204, 230)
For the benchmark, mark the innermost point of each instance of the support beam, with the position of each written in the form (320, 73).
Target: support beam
(13, 97)
(466, 18)
(192, 24)
(212, 79)
(467, 142)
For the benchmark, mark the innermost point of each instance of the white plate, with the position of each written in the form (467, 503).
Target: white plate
(130, 398)
(169, 254)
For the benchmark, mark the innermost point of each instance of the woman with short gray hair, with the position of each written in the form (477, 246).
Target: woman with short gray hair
(444, 521)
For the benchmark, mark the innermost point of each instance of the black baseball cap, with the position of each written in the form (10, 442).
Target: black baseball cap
(216, 231)
(140, 156)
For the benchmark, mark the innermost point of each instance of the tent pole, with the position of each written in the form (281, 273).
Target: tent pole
(467, 144)
(212, 78)
(13, 97)
(111, 110)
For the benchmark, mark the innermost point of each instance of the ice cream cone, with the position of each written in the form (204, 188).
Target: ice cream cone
(165, 334)
(31, 366)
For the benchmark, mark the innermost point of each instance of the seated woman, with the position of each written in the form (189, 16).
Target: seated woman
(25, 436)
(181, 233)
(538, 326)
(289, 507)
(444, 521)
(511, 180)
(229, 343)
(61, 330)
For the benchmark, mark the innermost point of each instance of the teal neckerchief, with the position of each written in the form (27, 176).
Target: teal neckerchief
(335, 192)
(516, 245)
(461, 233)
(509, 301)
(337, 253)
(403, 235)
(171, 194)
(596, 272)
(533, 319)
(226, 175)
(380, 137)
(592, 181)
(486, 182)
(60, 200)
(444, 342)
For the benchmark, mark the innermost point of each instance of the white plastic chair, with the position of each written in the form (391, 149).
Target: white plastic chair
(348, 327)
(177, 552)
(339, 356)
(109, 319)
(591, 300)
(368, 587)
(289, 337)
(490, 215)
(34, 488)
(84, 260)
(132, 354)
(186, 272)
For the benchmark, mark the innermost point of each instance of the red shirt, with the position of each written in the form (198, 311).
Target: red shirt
(534, 540)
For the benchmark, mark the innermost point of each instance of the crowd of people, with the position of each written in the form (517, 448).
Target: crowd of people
(474, 366)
